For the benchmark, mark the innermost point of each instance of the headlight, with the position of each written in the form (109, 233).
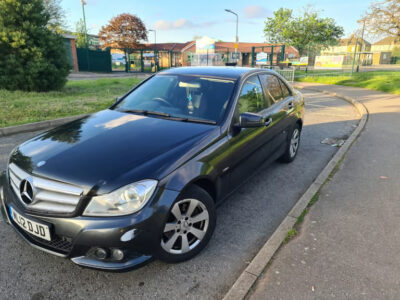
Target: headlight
(124, 201)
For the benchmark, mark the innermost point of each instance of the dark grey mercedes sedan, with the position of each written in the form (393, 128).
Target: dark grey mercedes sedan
(141, 179)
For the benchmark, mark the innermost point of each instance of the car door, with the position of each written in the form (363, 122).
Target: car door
(278, 111)
(248, 145)
(289, 105)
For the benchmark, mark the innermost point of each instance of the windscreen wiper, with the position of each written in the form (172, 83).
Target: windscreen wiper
(145, 112)
(165, 115)
(193, 120)
(200, 121)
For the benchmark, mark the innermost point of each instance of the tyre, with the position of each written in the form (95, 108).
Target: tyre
(189, 226)
(292, 145)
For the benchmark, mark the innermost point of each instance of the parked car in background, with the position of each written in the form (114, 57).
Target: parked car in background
(141, 179)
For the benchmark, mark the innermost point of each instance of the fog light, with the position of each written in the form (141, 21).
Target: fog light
(117, 254)
(100, 253)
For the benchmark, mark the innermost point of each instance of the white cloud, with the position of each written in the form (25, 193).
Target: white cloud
(177, 24)
(256, 12)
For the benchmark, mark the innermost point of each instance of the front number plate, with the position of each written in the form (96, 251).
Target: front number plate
(30, 226)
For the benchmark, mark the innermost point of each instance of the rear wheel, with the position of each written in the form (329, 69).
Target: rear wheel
(292, 145)
(189, 226)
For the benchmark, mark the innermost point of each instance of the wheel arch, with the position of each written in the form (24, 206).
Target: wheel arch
(206, 184)
(300, 123)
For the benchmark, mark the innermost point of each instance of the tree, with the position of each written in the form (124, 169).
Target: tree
(80, 34)
(57, 15)
(124, 31)
(32, 56)
(307, 31)
(383, 18)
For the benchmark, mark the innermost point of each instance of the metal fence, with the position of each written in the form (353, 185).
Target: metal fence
(94, 60)
(288, 73)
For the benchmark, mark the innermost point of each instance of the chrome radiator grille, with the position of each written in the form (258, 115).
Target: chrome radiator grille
(48, 195)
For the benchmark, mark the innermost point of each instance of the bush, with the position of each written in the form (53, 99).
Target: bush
(33, 58)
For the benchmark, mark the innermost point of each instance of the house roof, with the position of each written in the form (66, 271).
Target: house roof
(390, 40)
(352, 41)
(176, 47)
(69, 36)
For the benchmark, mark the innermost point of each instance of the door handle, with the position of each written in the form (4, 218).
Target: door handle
(268, 122)
(290, 105)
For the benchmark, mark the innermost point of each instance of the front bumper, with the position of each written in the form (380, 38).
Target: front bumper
(75, 237)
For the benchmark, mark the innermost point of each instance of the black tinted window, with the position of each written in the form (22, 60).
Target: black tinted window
(181, 96)
(251, 97)
(272, 87)
(285, 90)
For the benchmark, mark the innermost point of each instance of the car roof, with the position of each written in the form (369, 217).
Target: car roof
(224, 72)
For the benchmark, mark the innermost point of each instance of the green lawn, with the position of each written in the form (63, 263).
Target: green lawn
(77, 97)
(384, 81)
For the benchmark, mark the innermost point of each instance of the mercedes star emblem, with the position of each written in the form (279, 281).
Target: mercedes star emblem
(26, 191)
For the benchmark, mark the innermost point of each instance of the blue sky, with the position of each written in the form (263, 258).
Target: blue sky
(180, 21)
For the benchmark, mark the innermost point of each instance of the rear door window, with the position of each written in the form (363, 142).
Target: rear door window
(285, 90)
(272, 87)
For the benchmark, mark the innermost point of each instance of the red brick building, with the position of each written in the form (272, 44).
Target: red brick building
(70, 48)
(183, 51)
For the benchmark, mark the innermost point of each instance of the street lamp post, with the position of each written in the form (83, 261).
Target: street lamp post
(86, 38)
(155, 35)
(155, 45)
(361, 47)
(237, 27)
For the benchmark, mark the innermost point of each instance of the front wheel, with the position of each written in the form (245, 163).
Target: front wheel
(189, 226)
(292, 145)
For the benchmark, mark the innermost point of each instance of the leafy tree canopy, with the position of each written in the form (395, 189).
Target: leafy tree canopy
(304, 31)
(383, 18)
(80, 34)
(32, 56)
(57, 15)
(125, 31)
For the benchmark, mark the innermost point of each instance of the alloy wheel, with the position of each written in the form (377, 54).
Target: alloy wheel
(294, 142)
(186, 226)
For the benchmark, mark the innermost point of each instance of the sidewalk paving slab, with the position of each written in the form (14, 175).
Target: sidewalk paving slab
(349, 242)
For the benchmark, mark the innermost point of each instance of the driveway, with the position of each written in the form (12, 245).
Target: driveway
(245, 221)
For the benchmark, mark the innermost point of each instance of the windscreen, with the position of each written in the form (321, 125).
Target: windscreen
(181, 96)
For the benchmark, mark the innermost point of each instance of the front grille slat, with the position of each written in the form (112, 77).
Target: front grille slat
(51, 196)
(58, 187)
(15, 188)
(52, 207)
(17, 172)
(14, 178)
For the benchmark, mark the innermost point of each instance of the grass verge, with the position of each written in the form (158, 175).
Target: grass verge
(384, 81)
(77, 97)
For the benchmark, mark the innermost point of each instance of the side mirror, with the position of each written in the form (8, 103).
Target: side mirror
(117, 99)
(247, 120)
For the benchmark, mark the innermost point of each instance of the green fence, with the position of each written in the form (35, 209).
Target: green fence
(275, 54)
(68, 52)
(94, 60)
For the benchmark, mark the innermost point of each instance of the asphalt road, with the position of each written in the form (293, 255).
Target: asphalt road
(245, 222)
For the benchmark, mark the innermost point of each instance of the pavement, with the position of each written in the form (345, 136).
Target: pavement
(245, 221)
(349, 242)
